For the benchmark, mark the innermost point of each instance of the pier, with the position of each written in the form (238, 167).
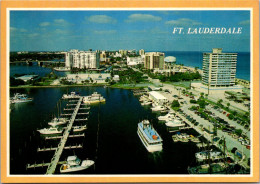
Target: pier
(59, 137)
(85, 113)
(71, 109)
(55, 148)
(58, 151)
(29, 166)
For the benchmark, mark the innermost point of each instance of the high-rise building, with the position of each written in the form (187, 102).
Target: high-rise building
(219, 69)
(154, 60)
(141, 52)
(82, 59)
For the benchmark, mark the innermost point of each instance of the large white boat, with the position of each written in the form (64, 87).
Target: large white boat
(79, 128)
(58, 121)
(146, 103)
(200, 156)
(61, 69)
(174, 123)
(159, 108)
(20, 98)
(75, 164)
(71, 95)
(167, 117)
(94, 98)
(51, 130)
(149, 137)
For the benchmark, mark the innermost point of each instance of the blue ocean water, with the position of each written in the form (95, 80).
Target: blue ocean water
(194, 59)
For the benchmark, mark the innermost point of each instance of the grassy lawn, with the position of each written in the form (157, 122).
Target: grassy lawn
(129, 86)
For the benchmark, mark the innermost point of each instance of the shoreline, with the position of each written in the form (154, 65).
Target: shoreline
(54, 86)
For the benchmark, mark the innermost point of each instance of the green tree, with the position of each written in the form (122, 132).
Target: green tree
(228, 104)
(238, 132)
(175, 103)
(220, 101)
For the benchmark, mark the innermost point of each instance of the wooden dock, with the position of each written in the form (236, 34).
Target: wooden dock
(59, 137)
(72, 109)
(69, 114)
(81, 119)
(55, 159)
(55, 148)
(30, 166)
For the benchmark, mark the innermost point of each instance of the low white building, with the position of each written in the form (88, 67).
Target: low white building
(158, 98)
(96, 77)
(133, 61)
(116, 78)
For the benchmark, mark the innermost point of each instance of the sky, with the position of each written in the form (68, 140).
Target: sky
(114, 30)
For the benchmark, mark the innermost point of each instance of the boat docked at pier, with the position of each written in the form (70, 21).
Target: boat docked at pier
(174, 123)
(159, 108)
(58, 121)
(51, 130)
(94, 98)
(167, 117)
(79, 128)
(75, 164)
(214, 168)
(146, 103)
(61, 69)
(149, 137)
(73, 94)
(20, 98)
(203, 155)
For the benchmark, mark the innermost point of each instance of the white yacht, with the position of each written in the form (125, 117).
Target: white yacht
(62, 69)
(79, 128)
(58, 121)
(20, 98)
(200, 156)
(159, 108)
(149, 137)
(146, 103)
(94, 98)
(75, 164)
(51, 130)
(73, 94)
(174, 123)
(167, 117)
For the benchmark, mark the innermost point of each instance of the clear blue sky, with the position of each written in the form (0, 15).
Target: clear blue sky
(114, 30)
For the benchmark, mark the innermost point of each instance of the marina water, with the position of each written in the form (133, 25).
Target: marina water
(110, 140)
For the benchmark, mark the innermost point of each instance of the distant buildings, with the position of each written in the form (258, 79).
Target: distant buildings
(133, 61)
(82, 59)
(123, 52)
(154, 60)
(219, 69)
(96, 78)
(141, 52)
